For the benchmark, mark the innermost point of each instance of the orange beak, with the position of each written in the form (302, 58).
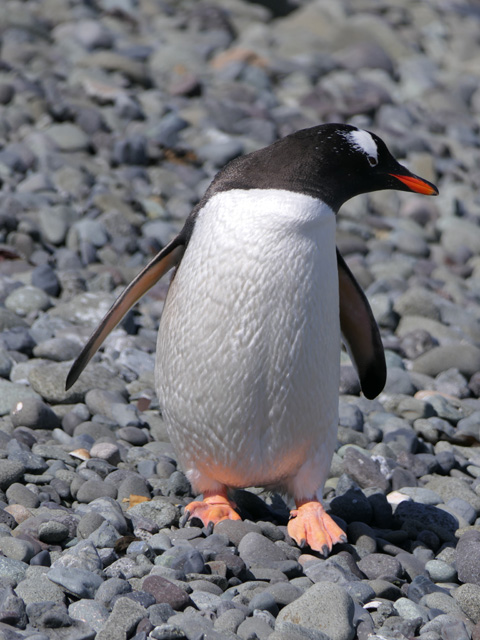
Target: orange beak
(418, 185)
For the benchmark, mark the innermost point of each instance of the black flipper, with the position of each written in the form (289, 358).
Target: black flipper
(167, 258)
(360, 332)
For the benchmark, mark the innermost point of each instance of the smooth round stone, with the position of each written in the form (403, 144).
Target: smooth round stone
(26, 300)
(34, 413)
(19, 494)
(57, 349)
(409, 610)
(68, 137)
(463, 509)
(256, 549)
(133, 485)
(326, 607)
(93, 489)
(165, 591)
(16, 548)
(229, 621)
(133, 435)
(440, 571)
(52, 532)
(378, 565)
(464, 358)
(10, 472)
(101, 401)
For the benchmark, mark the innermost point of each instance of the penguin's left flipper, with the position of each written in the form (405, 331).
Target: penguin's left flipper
(167, 258)
(360, 332)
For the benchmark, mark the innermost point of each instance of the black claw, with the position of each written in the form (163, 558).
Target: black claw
(209, 529)
(303, 543)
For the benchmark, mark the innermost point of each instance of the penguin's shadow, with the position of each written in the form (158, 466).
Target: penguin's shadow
(254, 508)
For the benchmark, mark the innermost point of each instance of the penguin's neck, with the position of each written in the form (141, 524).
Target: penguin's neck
(267, 218)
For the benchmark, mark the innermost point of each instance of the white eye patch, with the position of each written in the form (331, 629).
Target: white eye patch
(362, 141)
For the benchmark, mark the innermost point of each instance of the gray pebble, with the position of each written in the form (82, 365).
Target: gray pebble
(27, 300)
(78, 582)
(10, 472)
(52, 532)
(440, 571)
(325, 607)
(256, 549)
(122, 621)
(93, 489)
(89, 611)
(38, 588)
(34, 413)
(17, 549)
(12, 571)
(11, 394)
(68, 137)
(163, 514)
(19, 494)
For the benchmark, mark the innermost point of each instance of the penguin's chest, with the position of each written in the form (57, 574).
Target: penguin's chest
(248, 349)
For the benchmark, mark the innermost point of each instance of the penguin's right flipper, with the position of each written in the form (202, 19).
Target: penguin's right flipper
(360, 332)
(168, 257)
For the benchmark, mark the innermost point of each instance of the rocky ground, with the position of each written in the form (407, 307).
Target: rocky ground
(115, 115)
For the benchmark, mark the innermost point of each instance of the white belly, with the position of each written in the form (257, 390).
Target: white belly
(249, 341)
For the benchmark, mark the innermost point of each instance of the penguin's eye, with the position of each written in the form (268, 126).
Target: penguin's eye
(372, 161)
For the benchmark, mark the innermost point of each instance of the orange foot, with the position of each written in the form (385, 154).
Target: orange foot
(214, 507)
(310, 524)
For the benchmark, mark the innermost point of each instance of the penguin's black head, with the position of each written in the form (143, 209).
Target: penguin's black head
(332, 162)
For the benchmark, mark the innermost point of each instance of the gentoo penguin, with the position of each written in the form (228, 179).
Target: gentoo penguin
(248, 353)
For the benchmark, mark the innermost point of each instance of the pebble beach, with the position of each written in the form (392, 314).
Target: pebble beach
(115, 115)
